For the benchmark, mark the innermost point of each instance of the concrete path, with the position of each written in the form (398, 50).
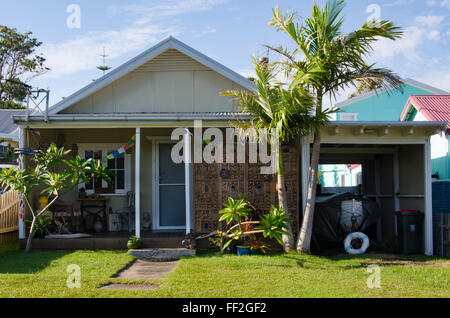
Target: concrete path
(145, 269)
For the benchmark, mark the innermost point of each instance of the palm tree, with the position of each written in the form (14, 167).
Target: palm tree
(273, 107)
(326, 60)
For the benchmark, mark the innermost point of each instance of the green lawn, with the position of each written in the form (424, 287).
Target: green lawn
(43, 274)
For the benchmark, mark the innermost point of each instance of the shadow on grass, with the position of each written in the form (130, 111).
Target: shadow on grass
(16, 261)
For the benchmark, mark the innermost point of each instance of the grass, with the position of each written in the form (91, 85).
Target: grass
(43, 274)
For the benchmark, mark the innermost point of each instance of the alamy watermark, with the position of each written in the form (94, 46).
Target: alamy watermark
(74, 19)
(210, 146)
(74, 279)
(374, 280)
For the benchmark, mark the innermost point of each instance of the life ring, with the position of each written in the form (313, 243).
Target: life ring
(354, 237)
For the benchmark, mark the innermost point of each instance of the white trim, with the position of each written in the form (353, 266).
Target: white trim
(187, 183)
(156, 141)
(169, 43)
(105, 147)
(407, 81)
(137, 183)
(21, 209)
(428, 224)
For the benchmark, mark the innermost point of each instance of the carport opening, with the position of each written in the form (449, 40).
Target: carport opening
(384, 177)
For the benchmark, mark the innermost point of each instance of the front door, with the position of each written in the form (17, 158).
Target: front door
(171, 189)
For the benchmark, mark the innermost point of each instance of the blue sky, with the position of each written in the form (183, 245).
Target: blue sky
(229, 31)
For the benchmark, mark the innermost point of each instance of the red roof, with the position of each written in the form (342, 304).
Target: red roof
(432, 107)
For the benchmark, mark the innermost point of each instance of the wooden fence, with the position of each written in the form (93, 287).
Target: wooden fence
(9, 221)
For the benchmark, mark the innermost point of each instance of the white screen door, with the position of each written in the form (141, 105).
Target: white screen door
(170, 184)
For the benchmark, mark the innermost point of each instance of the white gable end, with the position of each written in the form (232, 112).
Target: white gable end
(171, 77)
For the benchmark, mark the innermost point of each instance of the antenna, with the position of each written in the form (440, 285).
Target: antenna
(104, 67)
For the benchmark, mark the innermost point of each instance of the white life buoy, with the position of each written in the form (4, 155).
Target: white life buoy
(351, 238)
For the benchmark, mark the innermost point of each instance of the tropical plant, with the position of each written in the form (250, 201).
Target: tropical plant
(274, 108)
(271, 225)
(57, 172)
(42, 225)
(326, 60)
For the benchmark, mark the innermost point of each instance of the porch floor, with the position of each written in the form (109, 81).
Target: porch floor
(110, 241)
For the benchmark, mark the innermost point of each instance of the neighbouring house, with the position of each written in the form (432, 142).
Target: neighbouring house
(432, 108)
(9, 135)
(127, 117)
(383, 105)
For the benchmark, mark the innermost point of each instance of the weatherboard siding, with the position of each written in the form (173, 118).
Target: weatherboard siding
(384, 106)
(171, 82)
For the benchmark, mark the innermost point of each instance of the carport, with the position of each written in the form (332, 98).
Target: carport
(396, 167)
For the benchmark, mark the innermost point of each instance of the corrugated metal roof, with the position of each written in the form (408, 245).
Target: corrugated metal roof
(432, 107)
(7, 125)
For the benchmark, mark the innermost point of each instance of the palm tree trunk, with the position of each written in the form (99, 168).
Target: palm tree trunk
(288, 240)
(304, 238)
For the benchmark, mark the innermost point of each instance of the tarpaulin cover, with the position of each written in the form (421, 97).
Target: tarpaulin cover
(328, 214)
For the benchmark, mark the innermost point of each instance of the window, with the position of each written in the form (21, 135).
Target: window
(120, 166)
(349, 117)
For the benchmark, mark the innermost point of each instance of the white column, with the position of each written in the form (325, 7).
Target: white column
(21, 214)
(187, 179)
(428, 226)
(305, 170)
(137, 183)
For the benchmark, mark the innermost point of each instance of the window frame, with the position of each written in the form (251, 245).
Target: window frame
(104, 148)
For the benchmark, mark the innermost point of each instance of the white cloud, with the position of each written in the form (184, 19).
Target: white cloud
(146, 13)
(406, 46)
(434, 35)
(399, 3)
(431, 3)
(437, 78)
(445, 4)
(207, 30)
(429, 20)
(83, 53)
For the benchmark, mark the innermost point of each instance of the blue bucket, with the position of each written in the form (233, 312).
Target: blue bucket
(242, 250)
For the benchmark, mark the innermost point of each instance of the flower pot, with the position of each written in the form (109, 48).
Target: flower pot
(255, 252)
(243, 250)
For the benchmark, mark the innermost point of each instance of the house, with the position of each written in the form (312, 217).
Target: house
(9, 135)
(382, 105)
(127, 118)
(432, 108)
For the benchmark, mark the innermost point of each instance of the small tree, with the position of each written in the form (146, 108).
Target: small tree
(58, 172)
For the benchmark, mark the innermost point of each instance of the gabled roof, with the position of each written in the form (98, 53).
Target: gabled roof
(407, 81)
(432, 107)
(169, 43)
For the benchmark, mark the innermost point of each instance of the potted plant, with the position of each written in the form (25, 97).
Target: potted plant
(258, 247)
(134, 243)
(42, 226)
(243, 249)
